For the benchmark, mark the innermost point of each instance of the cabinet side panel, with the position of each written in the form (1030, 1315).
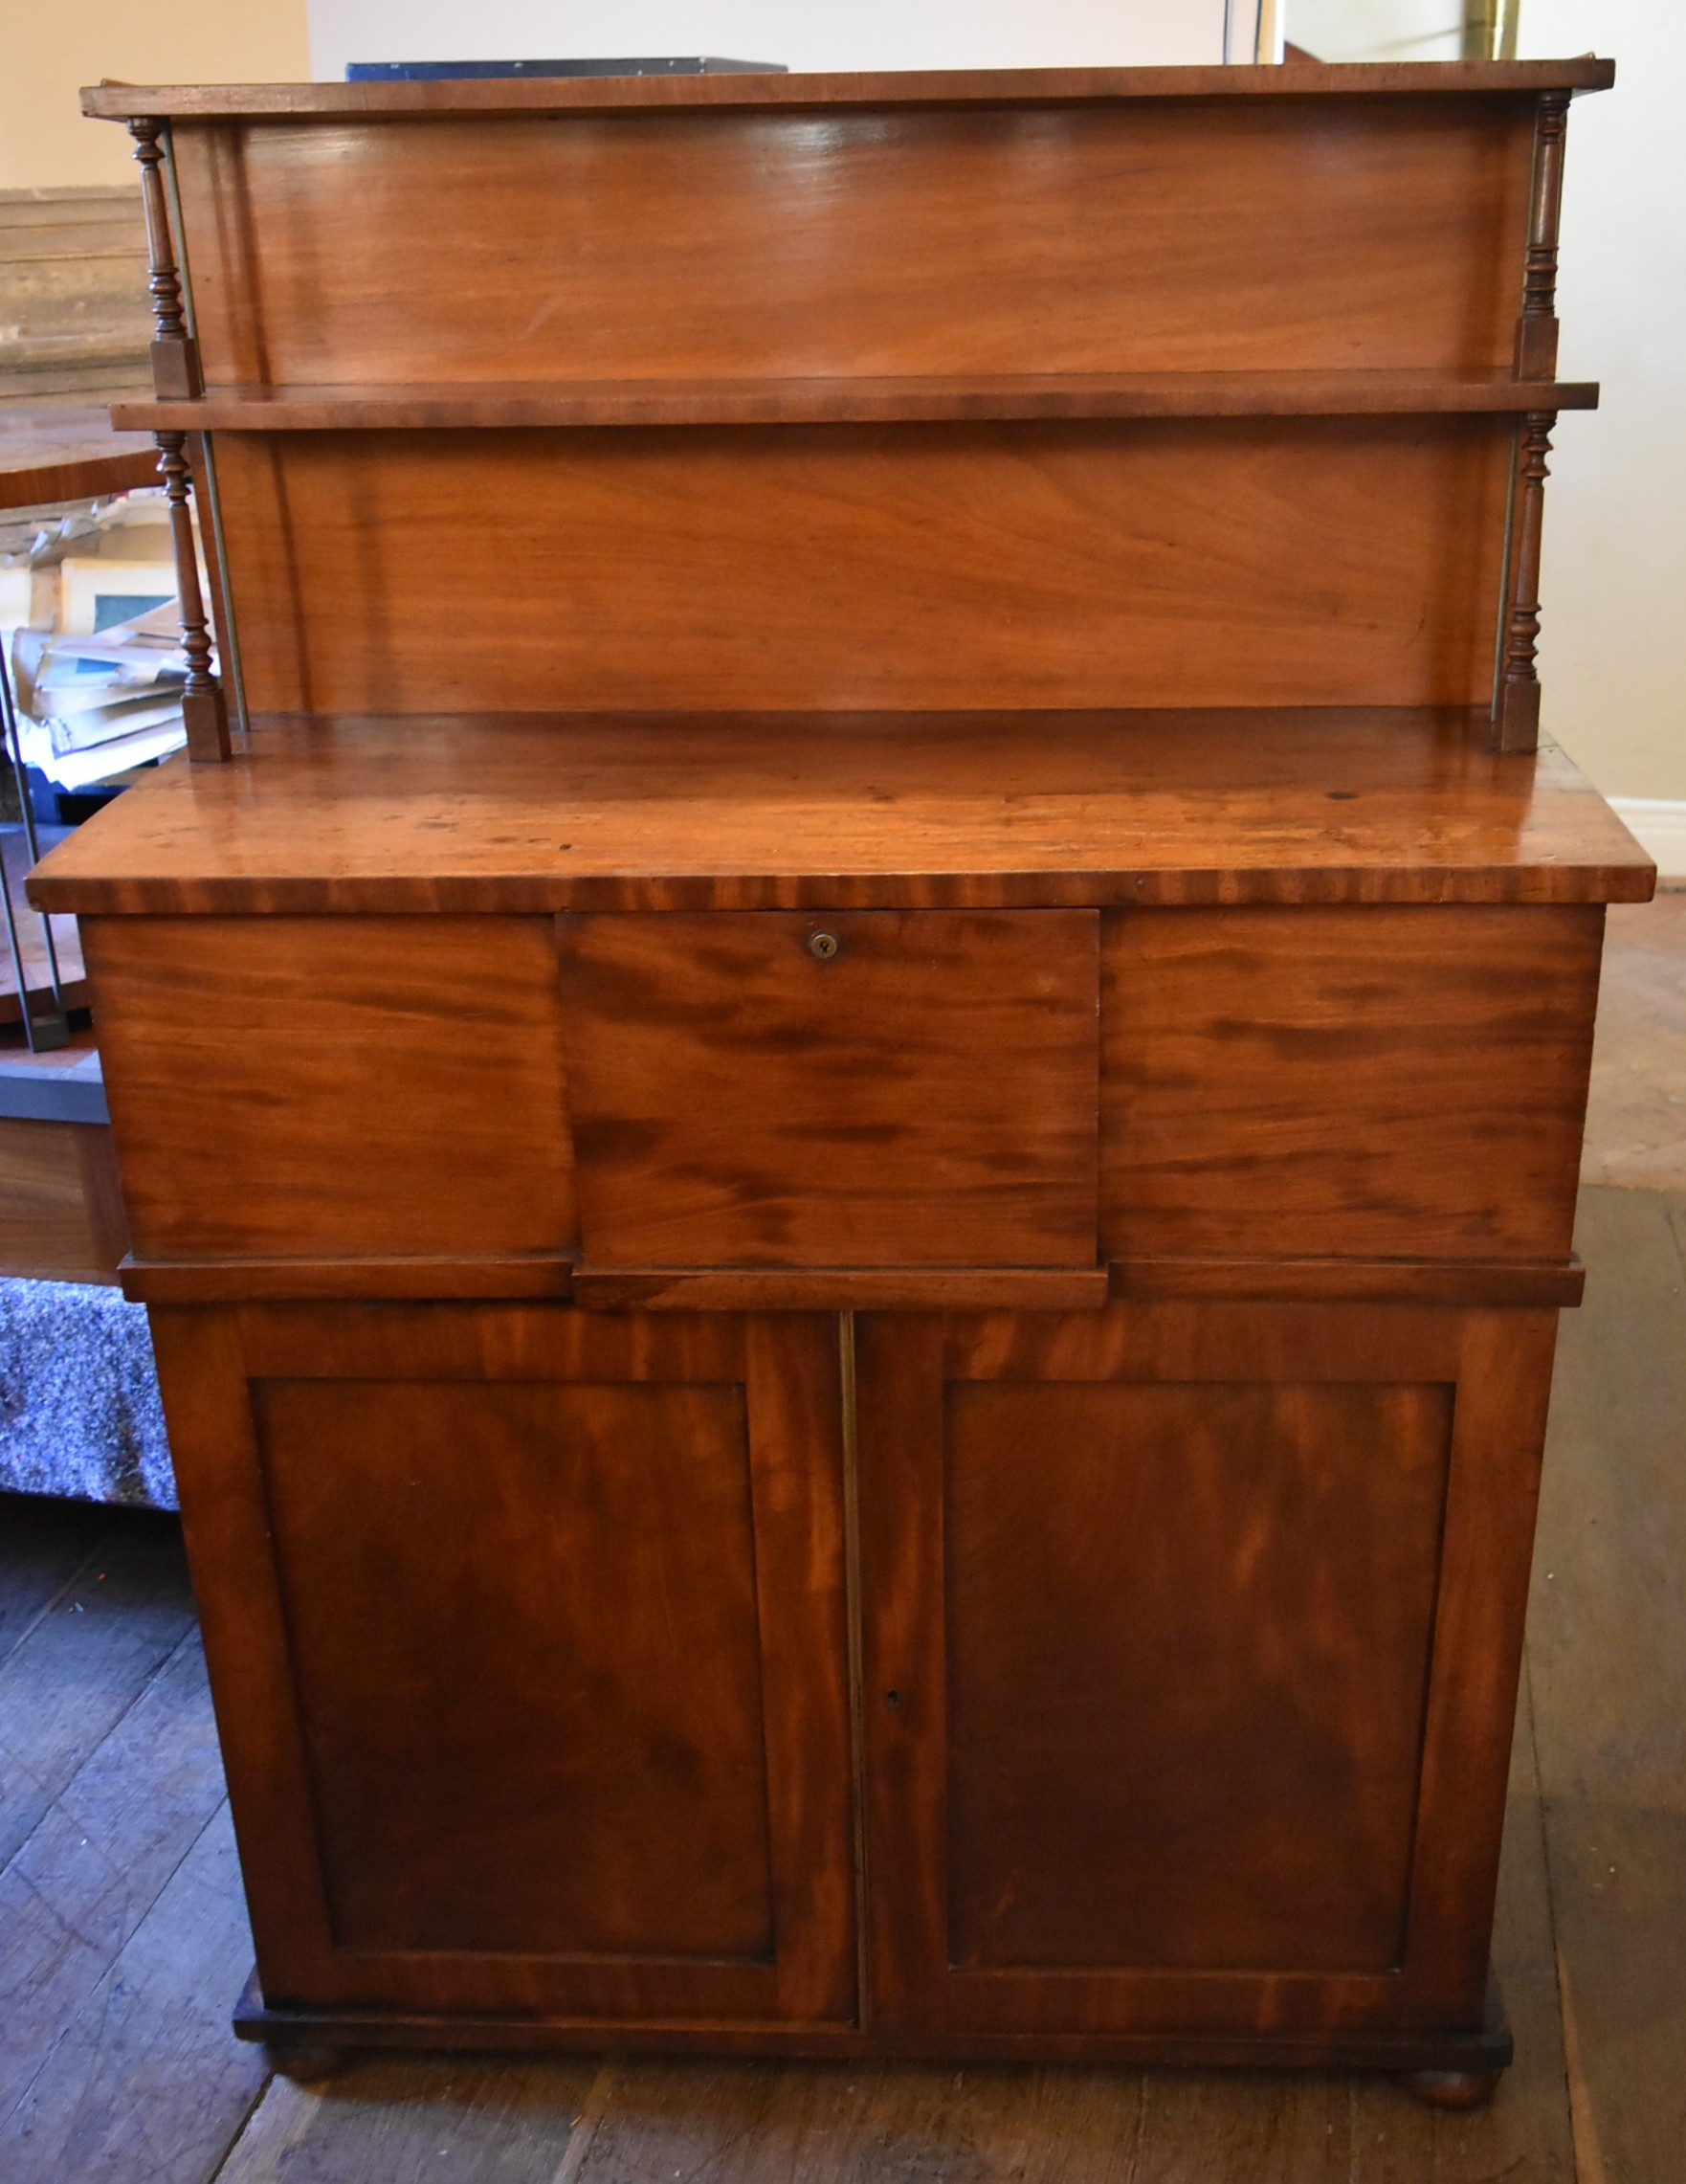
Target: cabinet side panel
(1156, 235)
(1334, 561)
(1372, 1082)
(362, 1086)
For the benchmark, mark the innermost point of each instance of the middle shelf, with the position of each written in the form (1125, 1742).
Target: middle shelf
(1052, 396)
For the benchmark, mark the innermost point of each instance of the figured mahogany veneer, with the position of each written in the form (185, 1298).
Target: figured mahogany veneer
(853, 1117)
(896, 567)
(878, 1088)
(774, 811)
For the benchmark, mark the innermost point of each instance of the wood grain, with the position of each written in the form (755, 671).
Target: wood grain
(1230, 562)
(1372, 1083)
(841, 1289)
(144, 2083)
(313, 1087)
(63, 452)
(930, 398)
(58, 1219)
(535, 1771)
(1183, 1722)
(925, 1096)
(827, 811)
(881, 235)
(494, 2121)
(89, 1873)
(71, 1681)
(626, 1484)
(916, 1377)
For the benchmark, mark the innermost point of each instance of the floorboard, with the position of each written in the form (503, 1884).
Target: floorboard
(1637, 1111)
(466, 2120)
(82, 1881)
(145, 2084)
(71, 1678)
(1607, 1649)
(42, 1547)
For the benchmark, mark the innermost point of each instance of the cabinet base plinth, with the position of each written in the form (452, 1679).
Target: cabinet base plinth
(1446, 2069)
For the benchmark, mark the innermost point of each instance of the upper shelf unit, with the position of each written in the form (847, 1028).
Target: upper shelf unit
(1030, 397)
(1329, 293)
(1025, 231)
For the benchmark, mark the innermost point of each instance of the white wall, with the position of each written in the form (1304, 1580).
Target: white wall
(1377, 30)
(1612, 645)
(856, 34)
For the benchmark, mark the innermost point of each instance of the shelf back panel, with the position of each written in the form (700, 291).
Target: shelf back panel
(1156, 235)
(1238, 562)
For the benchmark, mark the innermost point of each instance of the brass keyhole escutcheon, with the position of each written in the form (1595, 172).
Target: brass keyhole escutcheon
(822, 946)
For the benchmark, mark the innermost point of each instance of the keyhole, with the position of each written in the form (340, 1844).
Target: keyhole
(823, 946)
(892, 1700)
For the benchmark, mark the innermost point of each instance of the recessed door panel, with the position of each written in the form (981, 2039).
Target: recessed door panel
(1187, 1635)
(526, 1628)
(1190, 1646)
(525, 1636)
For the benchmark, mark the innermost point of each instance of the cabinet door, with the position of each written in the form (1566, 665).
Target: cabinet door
(1192, 1643)
(526, 1631)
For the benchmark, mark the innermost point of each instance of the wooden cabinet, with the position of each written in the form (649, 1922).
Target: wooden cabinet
(850, 1081)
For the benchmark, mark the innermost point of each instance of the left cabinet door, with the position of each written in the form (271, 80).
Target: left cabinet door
(526, 1630)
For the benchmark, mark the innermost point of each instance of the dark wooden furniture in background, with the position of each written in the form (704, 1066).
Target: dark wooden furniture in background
(854, 1131)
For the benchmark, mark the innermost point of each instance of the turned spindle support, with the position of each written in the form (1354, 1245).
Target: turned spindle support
(203, 708)
(175, 359)
(1536, 353)
(1518, 720)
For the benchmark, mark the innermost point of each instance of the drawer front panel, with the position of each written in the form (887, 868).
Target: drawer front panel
(923, 1093)
(323, 1086)
(1365, 1083)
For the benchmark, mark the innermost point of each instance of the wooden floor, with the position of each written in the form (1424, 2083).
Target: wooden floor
(124, 1943)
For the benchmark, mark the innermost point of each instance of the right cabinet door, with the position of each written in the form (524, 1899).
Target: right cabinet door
(1191, 1638)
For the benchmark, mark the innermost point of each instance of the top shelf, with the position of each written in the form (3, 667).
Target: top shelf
(946, 87)
(853, 400)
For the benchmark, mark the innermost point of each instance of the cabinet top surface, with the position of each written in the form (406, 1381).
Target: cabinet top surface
(1029, 86)
(539, 813)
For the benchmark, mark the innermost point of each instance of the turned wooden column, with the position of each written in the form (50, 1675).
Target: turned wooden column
(1518, 689)
(1536, 349)
(175, 359)
(203, 710)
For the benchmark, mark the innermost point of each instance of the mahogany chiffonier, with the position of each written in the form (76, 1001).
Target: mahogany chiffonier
(849, 1082)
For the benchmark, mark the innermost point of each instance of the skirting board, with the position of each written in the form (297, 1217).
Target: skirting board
(1659, 823)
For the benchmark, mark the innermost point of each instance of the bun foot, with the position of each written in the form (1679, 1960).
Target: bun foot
(304, 2064)
(1458, 2091)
